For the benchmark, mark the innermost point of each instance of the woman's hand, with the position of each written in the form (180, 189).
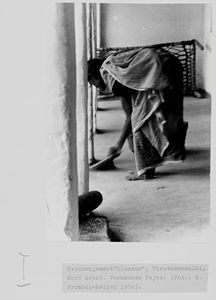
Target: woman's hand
(114, 151)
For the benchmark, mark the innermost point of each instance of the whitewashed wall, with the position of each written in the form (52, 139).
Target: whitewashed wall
(146, 24)
(36, 118)
(208, 77)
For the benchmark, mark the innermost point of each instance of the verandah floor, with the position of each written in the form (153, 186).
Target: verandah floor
(173, 207)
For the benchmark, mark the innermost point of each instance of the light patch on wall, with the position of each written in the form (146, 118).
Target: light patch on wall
(116, 18)
(143, 28)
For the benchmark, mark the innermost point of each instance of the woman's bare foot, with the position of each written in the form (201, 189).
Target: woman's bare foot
(114, 152)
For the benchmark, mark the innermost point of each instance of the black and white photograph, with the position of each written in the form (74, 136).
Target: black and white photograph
(135, 164)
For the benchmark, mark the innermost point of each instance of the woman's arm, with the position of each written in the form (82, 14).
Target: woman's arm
(127, 107)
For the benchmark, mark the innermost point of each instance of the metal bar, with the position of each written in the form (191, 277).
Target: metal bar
(94, 52)
(173, 44)
(90, 93)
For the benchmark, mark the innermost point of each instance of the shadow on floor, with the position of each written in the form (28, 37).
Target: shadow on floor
(114, 236)
(198, 152)
(107, 130)
(196, 171)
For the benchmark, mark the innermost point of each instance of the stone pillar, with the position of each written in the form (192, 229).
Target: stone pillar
(82, 97)
(62, 188)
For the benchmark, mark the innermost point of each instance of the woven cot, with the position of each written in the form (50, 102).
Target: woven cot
(185, 51)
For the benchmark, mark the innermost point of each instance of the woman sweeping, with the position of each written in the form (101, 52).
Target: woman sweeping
(150, 84)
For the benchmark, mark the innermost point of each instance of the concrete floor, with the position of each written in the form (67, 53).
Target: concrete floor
(173, 207)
